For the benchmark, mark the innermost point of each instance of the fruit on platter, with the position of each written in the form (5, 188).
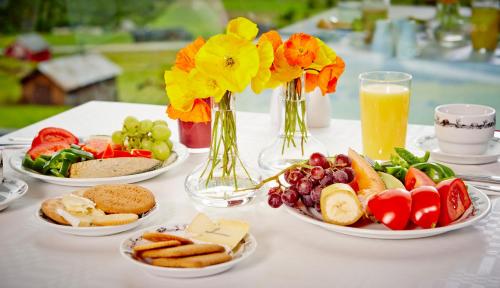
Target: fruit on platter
(391, 207)
(455, 200)
(390, 181)
(340, 205)
(369, 182)
(425, 206)
(416, 178)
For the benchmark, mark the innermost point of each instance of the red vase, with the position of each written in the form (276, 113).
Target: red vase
(195, 135)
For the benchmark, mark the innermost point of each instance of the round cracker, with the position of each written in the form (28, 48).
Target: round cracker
(49, 209)
(121, 198)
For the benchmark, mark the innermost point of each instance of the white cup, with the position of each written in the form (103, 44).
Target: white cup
(464, 128)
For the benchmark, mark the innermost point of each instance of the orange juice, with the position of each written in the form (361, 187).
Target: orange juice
(384, 117)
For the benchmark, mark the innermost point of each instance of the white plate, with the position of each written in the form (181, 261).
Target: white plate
(177, 158)
(430, 143)
(94, 231)
(15, 189)
(126, 249)
(482, 206)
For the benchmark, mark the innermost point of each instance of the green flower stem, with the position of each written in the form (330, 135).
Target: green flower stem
(223, 148)
(295, 115)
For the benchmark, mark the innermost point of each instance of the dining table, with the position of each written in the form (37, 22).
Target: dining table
(290, 252)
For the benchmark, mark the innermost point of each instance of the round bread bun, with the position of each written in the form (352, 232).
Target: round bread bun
(121, 198)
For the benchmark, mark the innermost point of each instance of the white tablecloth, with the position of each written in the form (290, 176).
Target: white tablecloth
(290, 253)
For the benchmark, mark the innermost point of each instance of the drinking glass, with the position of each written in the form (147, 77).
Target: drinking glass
(384, 98)
(371, 11)
(484, 22)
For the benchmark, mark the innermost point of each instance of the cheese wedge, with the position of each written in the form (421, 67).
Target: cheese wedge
(224, 232)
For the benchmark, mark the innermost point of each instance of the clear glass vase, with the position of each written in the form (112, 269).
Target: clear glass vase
(450, 28)
(224, 180)
(293, 142)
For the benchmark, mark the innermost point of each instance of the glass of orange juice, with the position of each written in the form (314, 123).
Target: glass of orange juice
(384, 98)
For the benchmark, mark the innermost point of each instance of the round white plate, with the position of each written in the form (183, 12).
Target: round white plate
(430, 143)
(11, 190)
(94, 231)
(482, 206)
(126, 249)
(177, 158)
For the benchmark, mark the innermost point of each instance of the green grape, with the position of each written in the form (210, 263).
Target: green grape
(145, 126)
(160, 122)
(160, 132)
(117, 137)
(131, 124)
(169, 144)
(160, 150)
(134, 142)
(146, 143)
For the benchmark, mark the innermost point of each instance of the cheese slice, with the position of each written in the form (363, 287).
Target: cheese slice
(224, 232)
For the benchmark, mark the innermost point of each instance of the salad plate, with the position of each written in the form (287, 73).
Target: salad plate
(240, 253)
(179, 155)
(430, 143)
(94, 231)
(482, 206)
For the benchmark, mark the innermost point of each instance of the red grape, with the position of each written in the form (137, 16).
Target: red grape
(275, 190)
(317, 206)
(274, 200)
(290, 197)
(318, 159)
(340, 176)
(316, 193)
(342, 160)
(350, 174)
(317, 173)
(293, 176)
(306, 199)
(304, 186)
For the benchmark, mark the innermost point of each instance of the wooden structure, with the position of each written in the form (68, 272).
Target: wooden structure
(71, 81)
(31, 47)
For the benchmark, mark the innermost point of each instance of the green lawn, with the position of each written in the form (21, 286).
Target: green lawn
(18, 116)
(76, 38)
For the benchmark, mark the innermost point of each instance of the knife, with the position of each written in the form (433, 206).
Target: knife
(479, 178)
(490, 190)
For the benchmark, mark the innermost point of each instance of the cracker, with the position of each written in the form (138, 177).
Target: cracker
(49, 209)
(183, 251)
(121, 198)
(197, 261)
(156, 245)
(114, 219)
(157, 236)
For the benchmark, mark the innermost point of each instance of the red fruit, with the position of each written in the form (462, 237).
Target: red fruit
(318, 159)
(47, 148)
(454, 200)
(391, 207)
(425, 206)
(293, 176)
(108, 152)
(53, 134)
(416, 178)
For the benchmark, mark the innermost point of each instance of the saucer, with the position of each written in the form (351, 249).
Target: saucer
(430, 143)
(11, 190)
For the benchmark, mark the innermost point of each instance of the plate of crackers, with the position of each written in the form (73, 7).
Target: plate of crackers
(173, 251)
(98, 211)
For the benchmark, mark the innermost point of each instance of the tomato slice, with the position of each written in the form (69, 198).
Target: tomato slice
(97, 144)
(108, 152)
(416, 178)
(454, 200)
(53, 134)
(425, 206)
(47, 148)
(121, 153)
(142, 153)
(391, 207)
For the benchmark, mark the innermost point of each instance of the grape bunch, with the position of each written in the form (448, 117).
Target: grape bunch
(307, 180)
(146, 134)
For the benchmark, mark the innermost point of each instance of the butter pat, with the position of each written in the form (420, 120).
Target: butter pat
(224, 232)
(76, 204)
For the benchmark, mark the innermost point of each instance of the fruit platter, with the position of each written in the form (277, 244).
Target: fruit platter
(406, 197)
(141, 150)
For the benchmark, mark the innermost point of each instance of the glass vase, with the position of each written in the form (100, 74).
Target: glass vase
(223, 180)
(450, 28)
(293, 142)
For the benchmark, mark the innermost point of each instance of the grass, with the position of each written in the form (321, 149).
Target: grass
(75, 38)
(18, 116)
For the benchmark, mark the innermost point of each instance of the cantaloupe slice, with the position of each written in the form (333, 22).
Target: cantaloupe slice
(369, 182)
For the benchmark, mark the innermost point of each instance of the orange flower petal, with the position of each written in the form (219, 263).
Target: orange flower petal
(185, 57)
(272, 36)
(311, 81)
(199, 113)
(301, 50)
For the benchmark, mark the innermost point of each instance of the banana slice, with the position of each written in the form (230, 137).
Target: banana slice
(340, 205)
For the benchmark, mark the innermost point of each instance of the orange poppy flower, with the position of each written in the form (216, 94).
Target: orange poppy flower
(327, 78)
(185, 57)
(311, 81)
(271, 36)
(301, 50)
(199, 113)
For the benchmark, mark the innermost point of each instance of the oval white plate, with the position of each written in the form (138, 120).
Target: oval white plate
(181, 153)
(430, 143)
(481, 203)
(126, 249)
(15, 189)
(94, 231)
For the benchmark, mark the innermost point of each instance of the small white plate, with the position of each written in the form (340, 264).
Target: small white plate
(11, 190)
(430, 143)
(94, 231)
(176, 159)
(126, 249)
(481, 202)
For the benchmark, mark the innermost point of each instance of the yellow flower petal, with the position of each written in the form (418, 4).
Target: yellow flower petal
(325, 57)
(284, 72)
(204, 85)
(266, 57)
(242, 27)
(176, 83)
(230, 60)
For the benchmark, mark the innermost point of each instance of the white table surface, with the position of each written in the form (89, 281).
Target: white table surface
(290, 253)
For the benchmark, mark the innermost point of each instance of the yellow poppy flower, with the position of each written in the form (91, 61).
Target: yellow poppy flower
(242, 27)
(230, 60)
(282, 71)
(266, 57)
(325, 57)
(205, 86)
(176, 83)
